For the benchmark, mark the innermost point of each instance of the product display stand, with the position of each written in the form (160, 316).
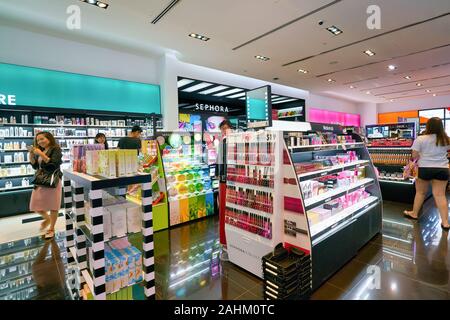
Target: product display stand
(314, 191)
(75, 185)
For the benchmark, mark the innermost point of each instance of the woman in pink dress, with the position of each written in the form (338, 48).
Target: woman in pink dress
(46, 159)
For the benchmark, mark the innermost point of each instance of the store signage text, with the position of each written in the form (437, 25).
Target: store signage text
(7, 100)
(210, 107)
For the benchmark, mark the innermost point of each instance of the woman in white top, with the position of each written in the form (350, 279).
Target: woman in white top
(431, 150)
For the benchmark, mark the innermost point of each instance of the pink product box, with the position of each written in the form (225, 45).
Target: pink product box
(294, 205)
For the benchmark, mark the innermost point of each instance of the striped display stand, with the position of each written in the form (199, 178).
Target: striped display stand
(97, 266)
(67, 189)
(147, 233)
(80, 237)
(96, 275)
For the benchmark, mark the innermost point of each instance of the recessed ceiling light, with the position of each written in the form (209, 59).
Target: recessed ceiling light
(198, 36)
(334, 30)
(262, 58)
(303, 71)
(234, 96)
(99, 4)
(331, 80)
(352, 87)
(392, 100)
(391, 67)
(434, 94)
(367, 92)
(418, 84)
(370, 53)
(428, 90)
(102, 5)
(408, 77)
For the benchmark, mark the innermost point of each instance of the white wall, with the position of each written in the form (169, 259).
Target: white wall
(416, 104)
(369, 113)
(43, 51)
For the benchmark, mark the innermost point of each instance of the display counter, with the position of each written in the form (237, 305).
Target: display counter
(313, 191)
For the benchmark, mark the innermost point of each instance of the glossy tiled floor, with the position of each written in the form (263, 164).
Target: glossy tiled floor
(411, 258)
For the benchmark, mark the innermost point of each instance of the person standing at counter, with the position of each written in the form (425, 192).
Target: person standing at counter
(46, 159)
(431, 151)
(133, 141)
(100, 138)
(225, 128)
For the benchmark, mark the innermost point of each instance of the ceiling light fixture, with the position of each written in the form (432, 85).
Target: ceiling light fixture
(367, 92)
(434, 94)
(236, 95)
(334, 30)
(262, 58)
(215, 89)
(99, 4)
(370, 53)
(391, 67)
(352, 87)
(392, 100)
(198, 36)
(303, 71)
(408, 77)
(225, 93)
(198, 87)
(418, 84)
(184, 82)
(331, 80)
(428, 90)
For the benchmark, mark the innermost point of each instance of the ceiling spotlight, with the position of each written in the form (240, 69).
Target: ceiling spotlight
(408, 77)
(391, 67)
(367, 92)
(331, 80)
(99, 4)
(303, 71)
(334, 30)
(392, 100)
(352, 87)
(198, 36)
(370, 53)
(262, 58)
(102, 5)
(418, 84)
(434, 94)
(428, 90)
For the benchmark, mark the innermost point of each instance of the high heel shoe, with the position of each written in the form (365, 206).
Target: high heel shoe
(407, 215)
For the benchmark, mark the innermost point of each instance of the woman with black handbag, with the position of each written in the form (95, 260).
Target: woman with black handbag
(46, 159)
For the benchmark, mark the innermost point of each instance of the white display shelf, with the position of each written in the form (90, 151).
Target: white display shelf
(249, 186)
(190, 196)
(332, 146)
(235, 163)
(13, 163)
(17, 188)
(14, 137)
(314, 174)
(335, 193)
(249, 210)
(399, 181)
(10, 150)
(322, 225)
(388, 148)
(284, 117)
(18, 176)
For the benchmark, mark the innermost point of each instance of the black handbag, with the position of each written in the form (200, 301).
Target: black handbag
(46, 179)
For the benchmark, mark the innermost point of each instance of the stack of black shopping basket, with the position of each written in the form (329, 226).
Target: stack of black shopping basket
(287, 274)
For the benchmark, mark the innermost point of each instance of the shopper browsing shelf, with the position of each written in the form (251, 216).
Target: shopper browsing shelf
(133, 141)
(430, 149)
(46, 159)
(100, 138)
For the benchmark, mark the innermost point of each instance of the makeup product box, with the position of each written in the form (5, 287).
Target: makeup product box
(122, 269)
(112, 163)
(134, 217)
(121, 165)
(118, 220)
(92, 162)
(138, 263)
